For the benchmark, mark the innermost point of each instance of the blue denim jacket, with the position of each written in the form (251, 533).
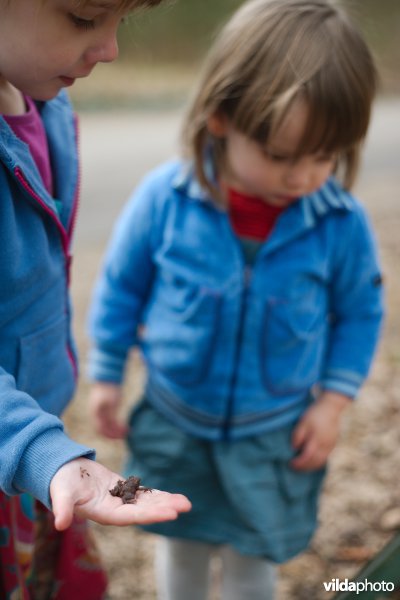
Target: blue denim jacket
(232, 350)
(37, 355)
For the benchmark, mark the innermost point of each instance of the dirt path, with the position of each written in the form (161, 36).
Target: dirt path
(360, 508)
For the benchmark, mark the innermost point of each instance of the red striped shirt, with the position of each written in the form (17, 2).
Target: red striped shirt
(250, 216)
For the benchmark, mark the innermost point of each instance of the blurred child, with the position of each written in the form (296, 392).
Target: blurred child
(247, 274)
(44, 46)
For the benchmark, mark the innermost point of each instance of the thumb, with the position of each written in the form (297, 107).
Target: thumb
(63, 510)
(299, 435)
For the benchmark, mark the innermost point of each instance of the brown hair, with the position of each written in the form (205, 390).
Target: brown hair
(127, 4)
(271, 53)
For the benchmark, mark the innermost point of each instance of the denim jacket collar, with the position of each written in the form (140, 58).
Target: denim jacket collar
(187, 183)
(301, 216)
(329, 197)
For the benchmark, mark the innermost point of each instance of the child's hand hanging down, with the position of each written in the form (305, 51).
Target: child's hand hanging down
(105, 401)
(82, 487)
(317, 432)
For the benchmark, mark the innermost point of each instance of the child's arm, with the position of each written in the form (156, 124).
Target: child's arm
(356, 306)
(37, 455)
(118, 301)
(82, 487)
(104, 403)
(357, 312)
(121, 291)
(317, 432)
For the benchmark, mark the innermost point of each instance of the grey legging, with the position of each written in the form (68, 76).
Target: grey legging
(183, 572)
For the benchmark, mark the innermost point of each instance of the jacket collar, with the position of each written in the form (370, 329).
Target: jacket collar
(308, 212)
(292, 223)
(187, 183)
(328, 198)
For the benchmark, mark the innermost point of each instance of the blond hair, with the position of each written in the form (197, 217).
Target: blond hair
(272, 52)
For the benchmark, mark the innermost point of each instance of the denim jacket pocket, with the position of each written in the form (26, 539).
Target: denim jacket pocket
(45, 369)
(180, 331)
(292, 341)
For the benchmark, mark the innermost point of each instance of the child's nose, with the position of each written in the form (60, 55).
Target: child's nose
(297, 175)
(105, 50)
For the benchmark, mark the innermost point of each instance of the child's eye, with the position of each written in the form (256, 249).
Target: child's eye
(278, 158)
(81, 23)
(275, 157)
(325, 158)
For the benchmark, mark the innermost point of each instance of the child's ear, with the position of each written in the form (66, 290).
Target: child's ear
(217, 124)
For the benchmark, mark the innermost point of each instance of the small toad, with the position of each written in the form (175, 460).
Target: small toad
(126, 490)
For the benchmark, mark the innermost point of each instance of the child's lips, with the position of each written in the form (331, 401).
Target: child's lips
(71, 80)
(68, 81)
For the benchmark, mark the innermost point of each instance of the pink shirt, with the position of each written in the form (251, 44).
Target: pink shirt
(29, 128)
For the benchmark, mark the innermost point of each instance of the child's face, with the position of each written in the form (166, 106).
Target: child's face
(273, 172)
(47, 44)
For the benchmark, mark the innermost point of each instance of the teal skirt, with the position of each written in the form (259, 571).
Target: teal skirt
(243, 493)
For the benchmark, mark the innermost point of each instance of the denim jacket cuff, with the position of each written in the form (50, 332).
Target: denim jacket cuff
(106, 365)
(347, 384)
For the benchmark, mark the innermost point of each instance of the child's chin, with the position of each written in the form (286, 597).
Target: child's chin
(44, 96)
(45, 92)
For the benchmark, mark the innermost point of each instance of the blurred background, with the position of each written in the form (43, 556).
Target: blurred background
(161, 49)
(130, 114)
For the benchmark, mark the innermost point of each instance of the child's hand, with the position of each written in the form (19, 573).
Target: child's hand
(316, 434)
(82, 487)
(104, 404)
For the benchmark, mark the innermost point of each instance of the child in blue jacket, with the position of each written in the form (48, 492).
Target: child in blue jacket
(247, 274)
(44, 46)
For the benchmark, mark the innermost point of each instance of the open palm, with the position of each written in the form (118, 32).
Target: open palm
(82, 487)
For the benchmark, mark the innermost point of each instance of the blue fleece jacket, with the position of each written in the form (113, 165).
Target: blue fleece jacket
(38, 365)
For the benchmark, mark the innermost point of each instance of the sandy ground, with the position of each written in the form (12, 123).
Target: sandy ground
(360, 507)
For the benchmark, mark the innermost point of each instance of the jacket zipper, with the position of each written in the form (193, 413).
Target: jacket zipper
(247, 274)
(72, 222)
(65, 237)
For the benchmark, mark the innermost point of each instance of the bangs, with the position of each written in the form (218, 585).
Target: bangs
(335, 122)
(320, 62)
(337, 119)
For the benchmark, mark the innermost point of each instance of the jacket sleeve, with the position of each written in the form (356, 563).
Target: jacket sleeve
(357, 307)
(122, 288)
(33, 445)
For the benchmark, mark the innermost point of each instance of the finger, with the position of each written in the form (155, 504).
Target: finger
(154, 507)
(113, 430)
(63, 509)
(178, 502)
(305, 459)
(316, 462)
(161, 507)
(110, 427)
(299, 435)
